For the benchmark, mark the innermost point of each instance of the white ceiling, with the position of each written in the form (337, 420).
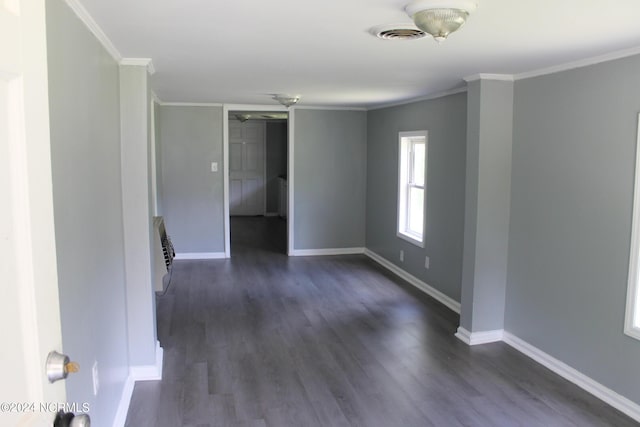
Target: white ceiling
(241, 51)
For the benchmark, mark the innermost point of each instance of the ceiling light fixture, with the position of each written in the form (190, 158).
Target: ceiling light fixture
(440, 17)
(243, 117)
(287, 100)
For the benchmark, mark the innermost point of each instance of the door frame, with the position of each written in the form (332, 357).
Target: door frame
(225, 167)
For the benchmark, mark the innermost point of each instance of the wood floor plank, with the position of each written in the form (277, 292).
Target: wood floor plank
(264, 340)
(222, 410)
(169, 412)
(195, 396)
(145, 403)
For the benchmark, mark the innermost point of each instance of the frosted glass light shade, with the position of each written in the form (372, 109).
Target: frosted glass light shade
(440, 17)
(287, 100)
(440, 22)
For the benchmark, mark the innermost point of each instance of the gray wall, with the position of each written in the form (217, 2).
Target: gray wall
(276, 161)
(571, 203)
(158, 158)
(330, 179)
(445, 119)
(135, 147)
(85, 150)
(192, 195)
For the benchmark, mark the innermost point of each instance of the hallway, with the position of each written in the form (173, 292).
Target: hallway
(259, 233)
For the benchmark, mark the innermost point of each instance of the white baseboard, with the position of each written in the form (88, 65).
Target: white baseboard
(327, 251)
(201, 255)
(431, 291)
(125, 400)
(149, 372)
(600, 391)
(476, 338)
(137, 373)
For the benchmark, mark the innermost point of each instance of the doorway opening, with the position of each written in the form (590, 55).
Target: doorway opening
(257, 179)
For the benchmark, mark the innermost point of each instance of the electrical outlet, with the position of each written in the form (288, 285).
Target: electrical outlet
(96, 381)
(401, 256)
(426, 262)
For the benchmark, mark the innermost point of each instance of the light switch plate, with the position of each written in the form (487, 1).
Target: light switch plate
(214, 166)
(96, 381)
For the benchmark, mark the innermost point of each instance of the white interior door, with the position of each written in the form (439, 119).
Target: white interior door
(29, 304)
(246, 167)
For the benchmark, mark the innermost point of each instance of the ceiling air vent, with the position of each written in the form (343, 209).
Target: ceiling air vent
(398, 32)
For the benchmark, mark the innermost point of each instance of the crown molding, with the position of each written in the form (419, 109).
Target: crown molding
(434, 95)
(619, 54)
(328, 108)
(95, 29)
(189, 104)
(139, 62)
(156, 98)
(486, 76)
(256, 107)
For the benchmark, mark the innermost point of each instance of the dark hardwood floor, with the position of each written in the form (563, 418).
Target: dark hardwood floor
(266, 340)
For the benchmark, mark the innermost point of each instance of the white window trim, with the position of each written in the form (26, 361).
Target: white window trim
(632, 316)
(404, 235)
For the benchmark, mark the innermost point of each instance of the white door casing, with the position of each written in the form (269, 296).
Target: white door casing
(29, 302)
(246, 167)
(226, 108)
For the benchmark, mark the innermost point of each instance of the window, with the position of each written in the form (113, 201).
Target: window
(632, 317)
(412, 195)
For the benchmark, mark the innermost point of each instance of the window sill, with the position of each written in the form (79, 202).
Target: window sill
(633, 332)
(410, 239)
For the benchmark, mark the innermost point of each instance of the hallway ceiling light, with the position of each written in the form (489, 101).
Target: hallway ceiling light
(287, 100)
(440, 17)
(243, 117)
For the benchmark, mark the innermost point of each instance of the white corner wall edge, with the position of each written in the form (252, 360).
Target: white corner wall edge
(429, 290)
(477, 338)
(137, 373)
(488, 76)
(327, 251)
(588, 384)
(200, 255)
(140, 62)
